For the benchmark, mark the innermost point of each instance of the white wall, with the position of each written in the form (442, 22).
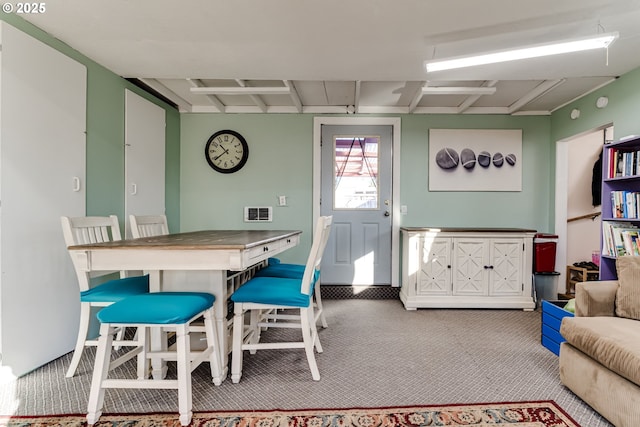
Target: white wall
(583, 235)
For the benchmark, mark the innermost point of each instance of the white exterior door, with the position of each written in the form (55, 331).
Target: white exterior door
(144, 158)
(356, 189)
(42, 166)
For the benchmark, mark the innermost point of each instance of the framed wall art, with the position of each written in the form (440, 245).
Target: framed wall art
(475, 160)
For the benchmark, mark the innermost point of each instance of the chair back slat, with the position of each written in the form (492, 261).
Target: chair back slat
(148, 225)
(320, 238)
(90, 229)
(86, 230)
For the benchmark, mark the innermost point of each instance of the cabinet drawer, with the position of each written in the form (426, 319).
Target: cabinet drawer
(263, 251)
(266, 250)
(289, 242)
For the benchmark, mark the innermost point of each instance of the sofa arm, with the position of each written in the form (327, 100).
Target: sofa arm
(597, 298)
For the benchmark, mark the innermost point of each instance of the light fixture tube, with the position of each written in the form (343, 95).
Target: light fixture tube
(442, 90)
(576, 45)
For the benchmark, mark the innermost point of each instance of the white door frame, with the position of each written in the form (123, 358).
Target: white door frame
(395, 185)
(561, 198)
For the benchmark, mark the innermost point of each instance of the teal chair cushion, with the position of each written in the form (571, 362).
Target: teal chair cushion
(272, 291)
(115, 290)
(288, 271)
(157, 308)
(291, 271)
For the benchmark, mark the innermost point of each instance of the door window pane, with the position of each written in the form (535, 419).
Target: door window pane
(356, 172)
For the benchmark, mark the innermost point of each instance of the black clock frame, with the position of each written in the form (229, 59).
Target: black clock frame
(245, 150)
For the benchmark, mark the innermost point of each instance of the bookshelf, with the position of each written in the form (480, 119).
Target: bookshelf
(620, 203)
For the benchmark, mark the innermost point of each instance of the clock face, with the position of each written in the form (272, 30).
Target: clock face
(226, 151)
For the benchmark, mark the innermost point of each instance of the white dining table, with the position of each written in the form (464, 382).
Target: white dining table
(201, 261)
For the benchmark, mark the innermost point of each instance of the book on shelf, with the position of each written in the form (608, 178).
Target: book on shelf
(620, 238)
(625, 204)
(623, 162)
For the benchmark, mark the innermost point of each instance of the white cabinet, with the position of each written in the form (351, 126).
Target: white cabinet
(467, 268)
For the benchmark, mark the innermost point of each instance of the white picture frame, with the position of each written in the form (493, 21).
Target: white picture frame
(446, 170)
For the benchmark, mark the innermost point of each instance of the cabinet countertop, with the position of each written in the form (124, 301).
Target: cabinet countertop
(468, 229)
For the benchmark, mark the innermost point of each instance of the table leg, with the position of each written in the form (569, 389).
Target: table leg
(218, 284)
(213, 282)
(158, 337)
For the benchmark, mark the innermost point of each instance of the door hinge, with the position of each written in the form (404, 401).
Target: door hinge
(522, 247)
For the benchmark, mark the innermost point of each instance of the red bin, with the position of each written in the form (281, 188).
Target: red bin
(544, 255)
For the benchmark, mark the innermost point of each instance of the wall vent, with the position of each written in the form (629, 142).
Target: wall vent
(258, 214)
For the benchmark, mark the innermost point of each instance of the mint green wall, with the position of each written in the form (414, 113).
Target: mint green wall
(623, 111)
(528, 208)
(105, 134)
(280, 163)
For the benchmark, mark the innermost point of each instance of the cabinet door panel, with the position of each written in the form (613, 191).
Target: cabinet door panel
(434, 277)
(470, 274)
(506, 274)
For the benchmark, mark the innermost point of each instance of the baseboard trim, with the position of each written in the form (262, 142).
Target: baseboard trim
(359, 292)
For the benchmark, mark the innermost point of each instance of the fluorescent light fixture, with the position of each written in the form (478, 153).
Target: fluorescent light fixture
(448, 90)
(600, 41)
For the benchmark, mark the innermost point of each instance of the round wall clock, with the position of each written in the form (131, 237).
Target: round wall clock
(226, 151)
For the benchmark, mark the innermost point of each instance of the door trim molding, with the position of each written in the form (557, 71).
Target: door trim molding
(394, 122)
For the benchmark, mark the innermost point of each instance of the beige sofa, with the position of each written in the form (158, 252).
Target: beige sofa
(600, 361)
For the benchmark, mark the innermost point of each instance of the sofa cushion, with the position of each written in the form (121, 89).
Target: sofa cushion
(612, 341)
(628, 294)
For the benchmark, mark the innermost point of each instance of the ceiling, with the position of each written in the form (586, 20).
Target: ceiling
(347, 56)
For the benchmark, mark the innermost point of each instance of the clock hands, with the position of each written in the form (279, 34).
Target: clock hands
(226, 151)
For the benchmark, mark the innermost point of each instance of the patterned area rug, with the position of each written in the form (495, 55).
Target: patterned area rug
(520, 414)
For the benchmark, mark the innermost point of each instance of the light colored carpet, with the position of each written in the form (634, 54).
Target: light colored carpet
(376, 354)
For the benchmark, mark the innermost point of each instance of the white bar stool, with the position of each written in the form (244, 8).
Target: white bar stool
(169, 311)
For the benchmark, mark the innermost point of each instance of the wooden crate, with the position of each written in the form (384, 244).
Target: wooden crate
(577, 275)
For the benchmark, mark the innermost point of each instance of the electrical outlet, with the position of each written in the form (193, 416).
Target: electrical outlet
(282, 200)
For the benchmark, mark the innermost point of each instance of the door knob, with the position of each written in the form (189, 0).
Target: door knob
(386, 213)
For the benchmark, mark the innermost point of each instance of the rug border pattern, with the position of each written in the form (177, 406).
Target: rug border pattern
(200, 417)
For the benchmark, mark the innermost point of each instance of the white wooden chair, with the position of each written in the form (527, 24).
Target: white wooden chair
(275, 293)
(148, 225)
(95, 229)
(294, 271)
(160, 310)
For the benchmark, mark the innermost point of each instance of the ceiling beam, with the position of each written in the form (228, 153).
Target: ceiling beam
(536, 92)
(196, 83)
(472, 99)
(462, 90)
(183, 104)
(294, 95)
(356, 96)
(208, 90)
(417, 97)
(255, 98)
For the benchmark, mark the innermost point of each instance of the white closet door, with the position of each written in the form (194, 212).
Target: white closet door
(42, 165)
(144, 157)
